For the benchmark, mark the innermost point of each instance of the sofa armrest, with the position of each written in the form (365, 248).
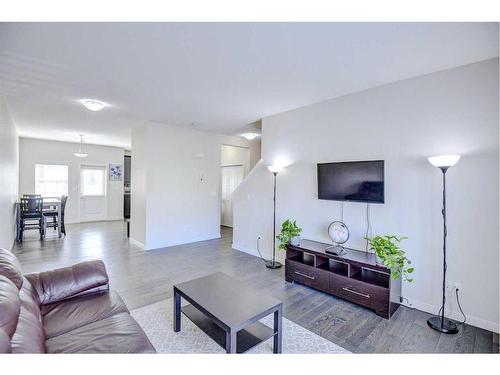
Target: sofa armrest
(60, 284)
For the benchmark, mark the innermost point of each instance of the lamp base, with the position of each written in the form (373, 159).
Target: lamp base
(273, 264)
(448, 326)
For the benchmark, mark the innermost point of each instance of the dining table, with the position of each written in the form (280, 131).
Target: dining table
(50, 204)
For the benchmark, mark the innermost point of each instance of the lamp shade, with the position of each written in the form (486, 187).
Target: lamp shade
(441, 161)
(275, 168)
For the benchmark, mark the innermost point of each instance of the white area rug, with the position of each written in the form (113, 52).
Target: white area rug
(156, 320)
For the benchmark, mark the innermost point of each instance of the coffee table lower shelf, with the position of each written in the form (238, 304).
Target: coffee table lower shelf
(246, 338)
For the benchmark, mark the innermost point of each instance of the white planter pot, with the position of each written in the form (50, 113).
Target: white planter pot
(295, 241)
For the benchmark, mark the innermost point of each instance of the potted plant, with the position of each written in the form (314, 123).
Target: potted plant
(392, 256)
(290, 234)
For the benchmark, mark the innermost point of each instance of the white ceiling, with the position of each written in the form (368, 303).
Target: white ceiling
(219, 76)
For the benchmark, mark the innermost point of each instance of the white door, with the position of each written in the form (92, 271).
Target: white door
(231, 178)
(92, 193)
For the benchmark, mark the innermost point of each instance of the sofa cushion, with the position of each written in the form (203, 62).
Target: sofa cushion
(29, 336)
(10, 268)
(10, 306)
(62, 317)
(119, 333)
(4, 342)
(63, 283)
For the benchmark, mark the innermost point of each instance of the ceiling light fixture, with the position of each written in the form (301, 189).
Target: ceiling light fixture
(81, 150)
(93, 105)
(250, 136)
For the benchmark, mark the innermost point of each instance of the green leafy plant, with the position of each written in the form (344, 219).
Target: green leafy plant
(289, 229)
(388, 250)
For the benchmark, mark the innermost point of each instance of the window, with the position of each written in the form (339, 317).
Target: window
(51, 180)
(93, 181)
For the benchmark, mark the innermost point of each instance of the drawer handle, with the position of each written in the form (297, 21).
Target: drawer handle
(358, 293)
(303, 274)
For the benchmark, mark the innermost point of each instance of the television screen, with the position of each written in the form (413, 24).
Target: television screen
(355, 181)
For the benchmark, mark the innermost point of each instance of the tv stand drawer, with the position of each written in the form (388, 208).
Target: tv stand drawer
(371, 296)
(306, 275)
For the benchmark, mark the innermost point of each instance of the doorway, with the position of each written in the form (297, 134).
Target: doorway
(92, 193)
(126, 186)
(232, 176)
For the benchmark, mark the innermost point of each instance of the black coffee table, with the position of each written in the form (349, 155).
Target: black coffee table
(228, 311)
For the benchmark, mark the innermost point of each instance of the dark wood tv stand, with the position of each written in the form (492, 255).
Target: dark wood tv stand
(355, 276)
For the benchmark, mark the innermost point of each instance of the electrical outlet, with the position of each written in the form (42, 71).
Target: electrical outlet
(402, 301)
(457, 285)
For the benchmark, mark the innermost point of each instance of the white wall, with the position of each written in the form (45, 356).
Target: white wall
(255, 152)
(35, 151)
(138, 172)
(179, 199)
(454, 111)
(8, 176)
(235, 155)
(231, 155)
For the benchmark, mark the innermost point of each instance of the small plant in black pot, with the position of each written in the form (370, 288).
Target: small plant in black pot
(290, 234)
(388, 250)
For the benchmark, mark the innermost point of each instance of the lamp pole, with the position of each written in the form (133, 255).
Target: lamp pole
(273, 264)
(443, 212)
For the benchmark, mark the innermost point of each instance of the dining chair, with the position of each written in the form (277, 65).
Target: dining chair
(63, 209)
(31, 216)
(53, 214)
(32, 195)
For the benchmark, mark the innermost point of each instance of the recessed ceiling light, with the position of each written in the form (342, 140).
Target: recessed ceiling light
(250, 136)
(93, 105)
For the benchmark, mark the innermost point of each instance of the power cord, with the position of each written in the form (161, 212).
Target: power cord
(368, 232)
(408, 303)
(258, 249)
(460, 307)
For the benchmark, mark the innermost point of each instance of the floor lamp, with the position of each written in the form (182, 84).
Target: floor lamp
(440, 323)
(273, 264)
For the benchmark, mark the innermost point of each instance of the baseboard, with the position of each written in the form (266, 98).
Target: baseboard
(212, 236)
(280, 255)
(118, 218)
(94, 221)
(471, 320)
(137, 243)
(243, 249)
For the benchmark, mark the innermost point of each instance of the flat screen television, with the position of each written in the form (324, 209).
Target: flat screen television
(354, 181)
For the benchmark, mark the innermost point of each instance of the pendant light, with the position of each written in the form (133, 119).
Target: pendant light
(81, 150)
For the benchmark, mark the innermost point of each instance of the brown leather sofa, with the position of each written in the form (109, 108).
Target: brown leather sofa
(67, 310)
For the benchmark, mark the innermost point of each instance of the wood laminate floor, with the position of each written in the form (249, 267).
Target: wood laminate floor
(143, 278)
